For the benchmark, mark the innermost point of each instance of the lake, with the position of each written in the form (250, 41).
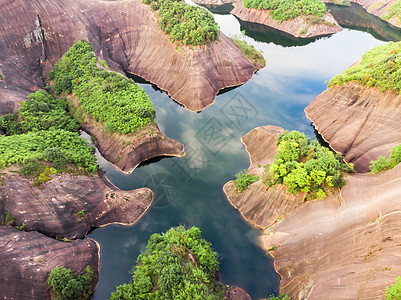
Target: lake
(188, 191)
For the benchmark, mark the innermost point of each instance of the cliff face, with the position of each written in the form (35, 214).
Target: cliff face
(52, 208)
(379, 8)
(260, 205)
(28, 257)
(346, 246)
(360, 122)
(126, 34)
(299, 27)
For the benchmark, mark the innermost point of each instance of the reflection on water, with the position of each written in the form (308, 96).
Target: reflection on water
(192, 193)
(356, 17)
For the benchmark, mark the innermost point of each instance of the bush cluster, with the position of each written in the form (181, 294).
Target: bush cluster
(108, 97)
(383, 163)
(394, 11)
(244, 179)
(283, 10)
(66, 284)
(379, 67)
(249, 51)
(178, 264)
(27, 147)
(303, 165)
(193, 25)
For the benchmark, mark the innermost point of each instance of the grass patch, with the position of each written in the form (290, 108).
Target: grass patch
(394, 11)
(383, 163)
(249, 50)
(244, 180)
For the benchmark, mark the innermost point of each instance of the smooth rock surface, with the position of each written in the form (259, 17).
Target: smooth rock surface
(236, 293)
(123, 32)
(260, 205)
(347, 246)
(28, 257)
(360, 122)
(52, 207)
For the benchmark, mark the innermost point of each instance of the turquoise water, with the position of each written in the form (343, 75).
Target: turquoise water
(189, 190)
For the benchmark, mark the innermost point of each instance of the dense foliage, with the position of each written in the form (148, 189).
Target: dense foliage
(39, 112)
(303, 165)
(193, 25)
(283, 10)
(244, 179)
(64, 284)
(393, 291)
(383, 163)
(178, 264)
(281, 297)
(394, 11)
(250, 51)
(108, 97)
(24, 148)
(380, 67)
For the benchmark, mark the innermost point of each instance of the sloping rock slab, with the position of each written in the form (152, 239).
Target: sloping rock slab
(28, 257)
(360, 122)
(52, 207)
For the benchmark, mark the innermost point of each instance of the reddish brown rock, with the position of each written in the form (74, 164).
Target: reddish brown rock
(236, 293)
(347, 246)
(299, 27)
(52, 207)
(28, 257)
(379, 8)
(260, 205)
(360, 122)
(126, 34)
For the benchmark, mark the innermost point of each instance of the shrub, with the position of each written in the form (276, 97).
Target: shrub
(10, 125)
(288, 9)
(303, 165)
(178, 264)
(249, 51)
(66, 284)
(81, 214)
(32, 167)
(382, 163)
(55, 156)
(244, 180)
(107, 97)
(393, 292)
(281, 297)
(394, 11)
(8, 219)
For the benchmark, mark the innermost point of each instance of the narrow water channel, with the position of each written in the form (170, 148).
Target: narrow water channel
(188, 190)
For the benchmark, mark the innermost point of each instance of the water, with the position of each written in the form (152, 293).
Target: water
(192, 190)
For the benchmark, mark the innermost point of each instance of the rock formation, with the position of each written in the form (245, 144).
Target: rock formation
(28, 257)
(126, 34)
(360, 122)
(299, 27)
(52, 208)
(379, 8)
(346, 246)
(260, 205)
(236, 293)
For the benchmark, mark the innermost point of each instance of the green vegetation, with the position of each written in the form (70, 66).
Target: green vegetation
(393, 291)
(394, 11)
(380, 67)
(31, 146)
(283, 10)
(383, 163)
(104, 64)
(1, 77)
(303, 165)
(193, 25)
(81, 214)
(39, 112)
(249, 50)
(178, 264)
(281, 297)
(65, 284)
(244, 180)
(108, 97)
(8, 219)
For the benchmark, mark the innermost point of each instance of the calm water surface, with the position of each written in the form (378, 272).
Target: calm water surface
(188, 190)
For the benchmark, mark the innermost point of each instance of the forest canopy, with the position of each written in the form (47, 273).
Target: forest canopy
(379, 67)
(189, 24)
(177, 264)
(283, 10)
(108, 97)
